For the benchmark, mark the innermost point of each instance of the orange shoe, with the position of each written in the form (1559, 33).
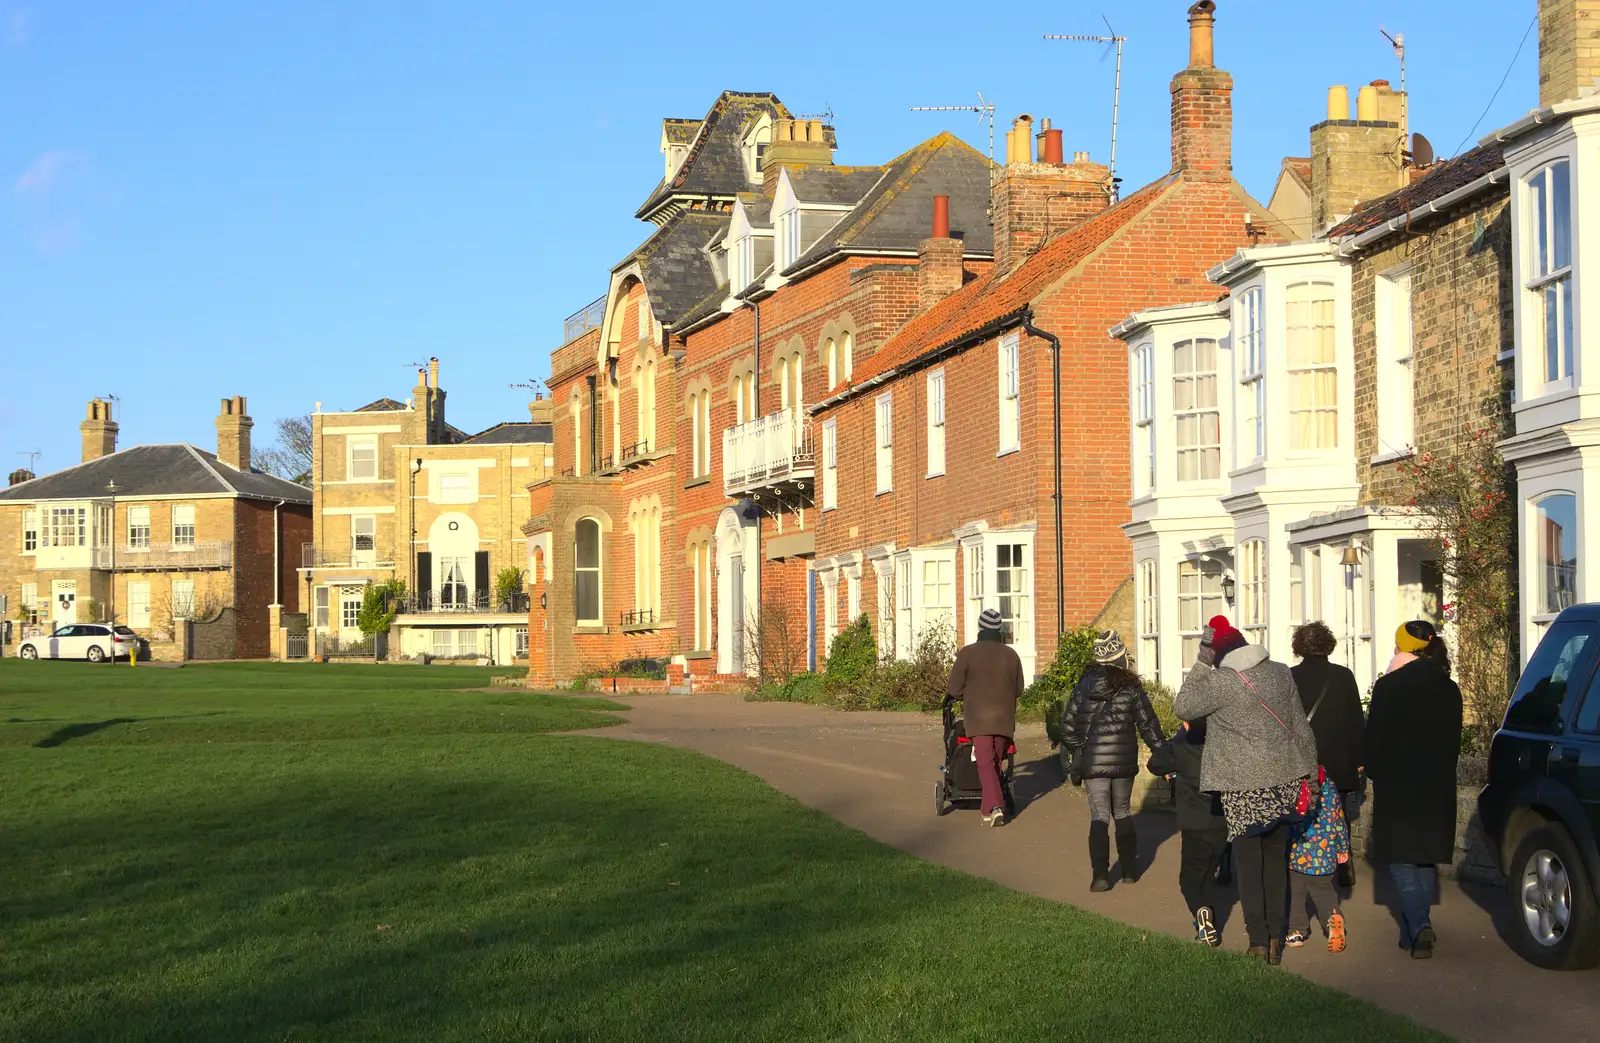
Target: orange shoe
(1336, 932)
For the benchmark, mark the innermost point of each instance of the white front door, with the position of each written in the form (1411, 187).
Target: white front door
(64, 602)
(350, 612)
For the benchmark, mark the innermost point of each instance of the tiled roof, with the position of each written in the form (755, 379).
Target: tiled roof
(1300, 167)
(897, 212)
(176, 469)
(834, 186)
(383, 405)
(1438, 180)
(512, 432)
(673, 262)
(714, 166)
(989, 299)
(757, 209)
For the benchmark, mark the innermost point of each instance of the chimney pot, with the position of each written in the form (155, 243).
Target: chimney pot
(1380, 84)
(1202, 22)
(1052, 148)
(433, 372)
(233, 434)
(941, 217)
(1338, 103)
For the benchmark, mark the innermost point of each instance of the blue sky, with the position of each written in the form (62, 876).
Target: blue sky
(294, 201)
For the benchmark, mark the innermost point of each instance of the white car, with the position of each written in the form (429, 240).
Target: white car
(96, 642)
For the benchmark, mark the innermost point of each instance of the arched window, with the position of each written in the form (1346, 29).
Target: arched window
(847, 347)
(739, 415)
(830, 355)
(1556, 553)
(586, 570)
(789, 384)
(647, 394)
(700, 555)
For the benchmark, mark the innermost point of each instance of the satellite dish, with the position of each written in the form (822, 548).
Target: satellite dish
(1421, 151)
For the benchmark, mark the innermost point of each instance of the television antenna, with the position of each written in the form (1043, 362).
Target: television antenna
(983, 108)
(116, 404)
(1112, 42)
(826, 115)
(33, 457)
(533, 385)
(1398, 42)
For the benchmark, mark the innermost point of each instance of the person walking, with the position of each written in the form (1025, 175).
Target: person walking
(1259, 754)
(1413, 740)
(1106, 715)
(987, 679)
(1332, 701)
(1201, 825)
(1320, 846)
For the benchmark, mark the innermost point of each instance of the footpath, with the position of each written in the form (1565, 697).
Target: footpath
(876, 772)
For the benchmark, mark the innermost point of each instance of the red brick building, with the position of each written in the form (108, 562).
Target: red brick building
(941, 444)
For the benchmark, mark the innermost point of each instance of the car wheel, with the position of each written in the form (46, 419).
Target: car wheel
(1557, 921)
(96, 654)
(29, 652)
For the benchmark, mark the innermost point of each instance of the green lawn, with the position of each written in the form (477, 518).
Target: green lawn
(259, 852)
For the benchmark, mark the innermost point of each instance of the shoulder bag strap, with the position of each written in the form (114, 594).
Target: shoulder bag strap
(1246, 682)
(1318, 704)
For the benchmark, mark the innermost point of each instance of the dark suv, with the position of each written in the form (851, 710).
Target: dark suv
(1541, 808)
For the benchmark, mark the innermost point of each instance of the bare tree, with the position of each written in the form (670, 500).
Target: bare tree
(291, 457)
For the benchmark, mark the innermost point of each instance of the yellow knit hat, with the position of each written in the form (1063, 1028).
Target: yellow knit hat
(1406, 641)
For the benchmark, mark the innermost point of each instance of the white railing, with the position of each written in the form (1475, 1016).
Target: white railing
(770, 449)
(165, 557)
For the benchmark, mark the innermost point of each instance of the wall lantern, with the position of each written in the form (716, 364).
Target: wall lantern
(1228, 587)
(544, 601)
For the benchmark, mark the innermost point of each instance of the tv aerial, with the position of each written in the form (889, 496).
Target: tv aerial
(1112, 42)
(983, 108)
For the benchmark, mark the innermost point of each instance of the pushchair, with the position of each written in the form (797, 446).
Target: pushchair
(958, 781)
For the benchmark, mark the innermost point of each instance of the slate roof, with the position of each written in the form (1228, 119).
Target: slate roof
(512, 433)
(175, 469)
(680, 131)
(757, 209)
(673, 262)
(1438, 180)
(714, 166)
(383, 405)
(834, 186)
(990, 299)
(896, 213)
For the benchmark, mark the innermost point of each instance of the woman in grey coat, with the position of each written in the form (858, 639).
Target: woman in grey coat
(1258, 749)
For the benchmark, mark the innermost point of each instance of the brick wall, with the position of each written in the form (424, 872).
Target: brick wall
(1569, 48)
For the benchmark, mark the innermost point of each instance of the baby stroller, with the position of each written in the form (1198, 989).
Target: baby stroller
(958, 781)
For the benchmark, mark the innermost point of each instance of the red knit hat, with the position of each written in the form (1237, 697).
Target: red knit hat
(1224, 638)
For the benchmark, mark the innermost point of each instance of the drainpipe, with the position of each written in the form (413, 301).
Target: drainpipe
(755, 407)
(277, 566)
(1055, 396)
(594, 451)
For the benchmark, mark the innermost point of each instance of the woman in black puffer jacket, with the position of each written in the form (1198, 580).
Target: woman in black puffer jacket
(1105, 718)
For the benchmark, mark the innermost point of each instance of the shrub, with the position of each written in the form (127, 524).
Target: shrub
(851, 660)
(1161, 701)
(799, 688)
(1073, 658)
(507, 584)
(379, 605)
(924, 685)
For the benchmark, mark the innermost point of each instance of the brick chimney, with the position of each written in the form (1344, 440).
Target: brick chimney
(794, 143)
(20, 475)
(1202, 106)
(99, 431)
(938, 259)
(427, 426)
(1030, 202)
(1355, 160)
(233, 434)
(1569, 49)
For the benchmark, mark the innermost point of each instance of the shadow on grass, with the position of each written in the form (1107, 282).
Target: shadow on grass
(77, 731)
(528, 887)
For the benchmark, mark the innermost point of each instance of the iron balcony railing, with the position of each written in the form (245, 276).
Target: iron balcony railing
(768, 450)
(312, 557)
(584, 319)
(639, 617)
(165, 557)
(443, 601)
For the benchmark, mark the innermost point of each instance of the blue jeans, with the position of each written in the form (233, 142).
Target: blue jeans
(1416, 885)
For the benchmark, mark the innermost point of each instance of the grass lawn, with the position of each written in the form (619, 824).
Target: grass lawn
(258, 852)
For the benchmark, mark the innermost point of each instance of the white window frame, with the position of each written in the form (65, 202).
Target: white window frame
(1297, 586)
(1538, 611)
(363, 527)
(1009, 359)
(321, 599)
(942, 603)
(830, 610)
(883, 428)
(1018, 583)
(936, 424)
(1252, 585)
(138, 528)
(1142, 395)
(830, 465)
(905, 608)
(852, 579)
(1311, 292)
(1149, 621)
(31, 533)
(787, 239)
(1192, 378)
(972, 593)
(30, 602)
(464, 487)
(63, 527)
(361, 444)
(1251, 355)
(1189, 638)
(183, 526)
(182, 599)
(598, 568)
(1548, 272)
(1396, 373)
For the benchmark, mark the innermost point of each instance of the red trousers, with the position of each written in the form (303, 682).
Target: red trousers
(991, 754)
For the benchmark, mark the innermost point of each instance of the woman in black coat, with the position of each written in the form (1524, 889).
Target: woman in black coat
(1333, 705)
(1413, 740)
(1104, 719)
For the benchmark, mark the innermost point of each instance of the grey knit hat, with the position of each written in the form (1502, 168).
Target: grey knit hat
(1108, 647)
(989, 619)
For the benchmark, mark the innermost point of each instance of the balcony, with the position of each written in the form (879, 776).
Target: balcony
(344, 557)
(458, 602)
(772, 459)
(584, 319)
(165, 557)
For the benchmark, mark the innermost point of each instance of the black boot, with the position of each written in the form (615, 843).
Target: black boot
(1100, 856)
(1128, 850)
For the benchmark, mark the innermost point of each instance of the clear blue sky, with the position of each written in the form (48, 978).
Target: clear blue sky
(293, 201)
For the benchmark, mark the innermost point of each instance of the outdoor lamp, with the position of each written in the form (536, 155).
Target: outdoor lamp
(1228, 587)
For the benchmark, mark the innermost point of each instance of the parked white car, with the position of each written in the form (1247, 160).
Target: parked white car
(96, 642)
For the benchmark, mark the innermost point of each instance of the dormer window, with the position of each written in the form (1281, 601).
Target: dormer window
(754, 147)
(741, 263)
(788, 238)
(676, 154)
(1549, 281)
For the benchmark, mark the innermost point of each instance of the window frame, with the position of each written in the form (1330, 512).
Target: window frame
(883, 442)
(579, 570)
(1252, 611)
(1251, 361)
(1148, 622)
(138, 532)
(1540, 613)
(179, 608)
(830, 464)
(1201, 569)
(357, 523)
(1305, 292)
(936, 423)
(1142, 399)
(364, 443)
(1541, 253)
(183, 540)
(1194, 377)
(1009, 393)
(31, 531)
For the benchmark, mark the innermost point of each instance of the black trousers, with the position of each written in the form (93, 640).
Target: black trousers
(1197, 870)
(1262, 865)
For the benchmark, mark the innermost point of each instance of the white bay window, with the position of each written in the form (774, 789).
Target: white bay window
(1549, 267)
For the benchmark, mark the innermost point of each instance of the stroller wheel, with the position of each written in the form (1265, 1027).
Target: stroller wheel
(941, 807)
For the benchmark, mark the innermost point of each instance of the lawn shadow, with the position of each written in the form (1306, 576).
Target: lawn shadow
(1033, 779)
(61, 736)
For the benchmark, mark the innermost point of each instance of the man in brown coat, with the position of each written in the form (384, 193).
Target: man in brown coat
(987, 678)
